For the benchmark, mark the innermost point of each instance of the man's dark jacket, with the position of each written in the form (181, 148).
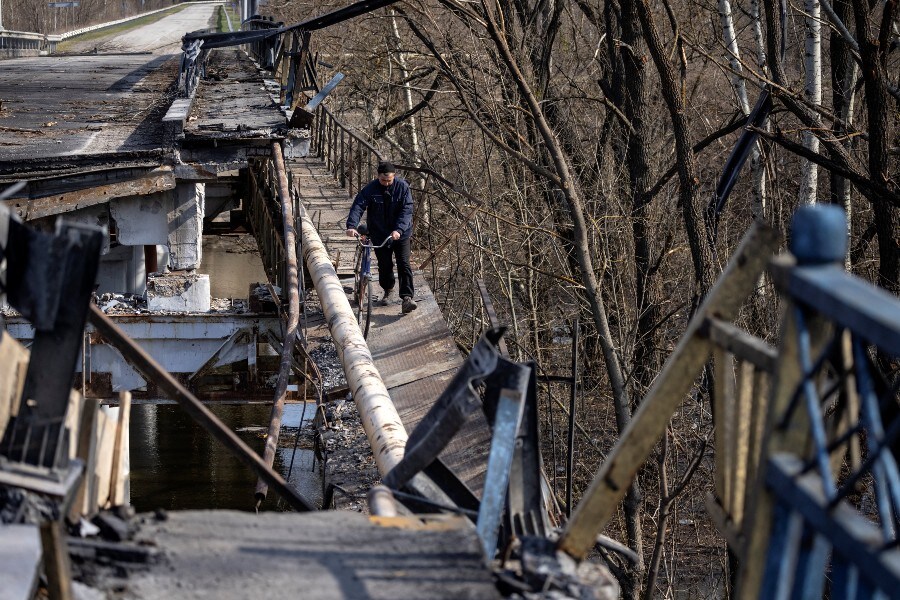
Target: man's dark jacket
(389, 209)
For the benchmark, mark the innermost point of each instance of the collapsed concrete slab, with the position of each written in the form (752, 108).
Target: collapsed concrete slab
(178, 292)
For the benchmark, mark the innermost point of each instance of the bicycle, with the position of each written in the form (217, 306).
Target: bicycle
(362, 291)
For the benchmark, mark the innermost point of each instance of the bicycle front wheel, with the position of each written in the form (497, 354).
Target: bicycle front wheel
(364, 308)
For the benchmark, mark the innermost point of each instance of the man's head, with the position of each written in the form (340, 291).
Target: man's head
(386, 173)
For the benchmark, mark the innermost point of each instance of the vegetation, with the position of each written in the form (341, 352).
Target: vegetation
(225, 14)
(589, 137)
(592, 134)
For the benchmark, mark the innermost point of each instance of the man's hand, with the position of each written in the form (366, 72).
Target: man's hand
(352, 233)
(395, 235)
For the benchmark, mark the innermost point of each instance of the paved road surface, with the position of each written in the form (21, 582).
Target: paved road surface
(163, 36)
(59, 106)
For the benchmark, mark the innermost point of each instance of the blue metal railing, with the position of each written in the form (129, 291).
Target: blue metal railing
(831, 479)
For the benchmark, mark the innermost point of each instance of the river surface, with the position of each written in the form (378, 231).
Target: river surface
(233, 263)
(178, 465)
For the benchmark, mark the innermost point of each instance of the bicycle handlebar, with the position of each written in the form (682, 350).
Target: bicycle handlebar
(386, 241)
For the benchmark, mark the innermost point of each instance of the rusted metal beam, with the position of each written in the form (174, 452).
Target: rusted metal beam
(170, 386)
(157, 180)
(493, 321)
(293, 313)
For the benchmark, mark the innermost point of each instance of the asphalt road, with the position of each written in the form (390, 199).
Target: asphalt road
(95, 103)
(163, 36)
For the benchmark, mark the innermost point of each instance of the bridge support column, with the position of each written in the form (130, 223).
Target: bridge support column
(185, 219)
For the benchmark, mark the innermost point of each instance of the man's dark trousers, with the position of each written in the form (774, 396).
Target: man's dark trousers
(400, 250)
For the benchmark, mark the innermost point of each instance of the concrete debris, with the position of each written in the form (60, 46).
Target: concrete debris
(20, 506)
(350, 469)
(326, 357)
(171, 284)
(121, 304)
(178, 292)
(134, 304)
(261, 299)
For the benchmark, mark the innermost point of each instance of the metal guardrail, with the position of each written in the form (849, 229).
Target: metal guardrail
(89, 28)
(264, 216)
(28, 41)
(806, 482)
(828, 494)
(347, 155)
(32, 41)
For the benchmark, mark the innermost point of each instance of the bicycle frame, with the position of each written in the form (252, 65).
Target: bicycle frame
(362, 292)
(366, 265)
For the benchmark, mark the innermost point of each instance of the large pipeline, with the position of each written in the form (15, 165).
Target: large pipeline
(292, 283)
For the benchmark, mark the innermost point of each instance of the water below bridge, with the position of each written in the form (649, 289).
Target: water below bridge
(177, 465)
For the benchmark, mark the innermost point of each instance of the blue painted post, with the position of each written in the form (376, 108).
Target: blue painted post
(819, 234)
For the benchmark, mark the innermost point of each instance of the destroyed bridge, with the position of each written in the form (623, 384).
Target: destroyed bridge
(113, 166)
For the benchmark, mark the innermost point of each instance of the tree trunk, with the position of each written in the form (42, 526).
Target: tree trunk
(812, 91)
(843, 78)
(689, 193)
(881, 126)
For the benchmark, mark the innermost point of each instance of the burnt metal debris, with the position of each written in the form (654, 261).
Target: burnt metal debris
(267, 38)
(507, 393)
(49, 280)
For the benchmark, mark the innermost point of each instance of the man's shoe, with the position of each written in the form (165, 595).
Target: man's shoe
(388, 298)
(409, 305)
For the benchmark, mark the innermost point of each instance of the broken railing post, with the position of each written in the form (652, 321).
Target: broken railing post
(168, 385)
(303, 115)
(293, 315)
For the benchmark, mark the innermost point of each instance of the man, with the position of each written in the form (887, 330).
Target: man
(389, 205)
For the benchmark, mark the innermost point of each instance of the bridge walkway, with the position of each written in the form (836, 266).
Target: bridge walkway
(415, 353)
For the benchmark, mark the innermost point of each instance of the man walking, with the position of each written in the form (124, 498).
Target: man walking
(389, 205)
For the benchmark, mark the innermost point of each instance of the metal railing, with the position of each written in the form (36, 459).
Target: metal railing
(264, 216)
(806, 483)
(266, 50)
(347, 155)
(13, 42)
(827, 496)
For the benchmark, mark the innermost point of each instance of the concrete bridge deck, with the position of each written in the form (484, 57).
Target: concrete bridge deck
(81, 112)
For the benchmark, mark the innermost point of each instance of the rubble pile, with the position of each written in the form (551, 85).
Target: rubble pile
(341, 443)
(121, 304)
(326, 357)
(135, 304)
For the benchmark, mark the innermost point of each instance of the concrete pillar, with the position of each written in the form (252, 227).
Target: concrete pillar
(185, 219)
(92, 215)
(142, 220)
(121, 271)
